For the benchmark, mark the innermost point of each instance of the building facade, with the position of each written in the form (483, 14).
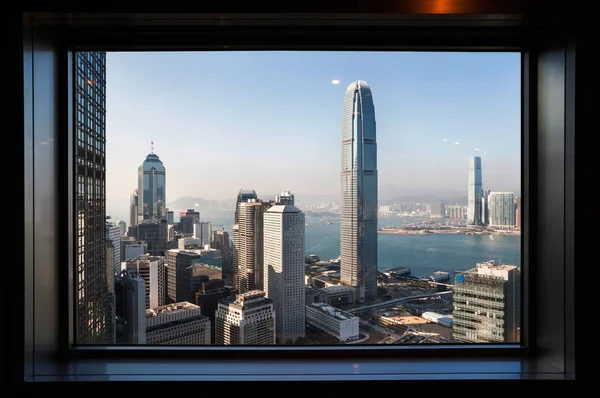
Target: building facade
(152, 269)
(248, 242)
(246, 319)
(340, 324)
(475, 192)
(178, 323)
(151, 188)
(486, 304)
(284, 227)
(358, 198)
(94, 299)
(502, 210)
(130, 292)
(113, 234)
(134, 208)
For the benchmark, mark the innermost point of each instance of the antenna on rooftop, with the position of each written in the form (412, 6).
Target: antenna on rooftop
(152, 144)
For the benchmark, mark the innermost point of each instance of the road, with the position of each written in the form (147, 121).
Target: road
(391, 302)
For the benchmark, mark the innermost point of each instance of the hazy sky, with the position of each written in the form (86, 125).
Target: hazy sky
(270, 121)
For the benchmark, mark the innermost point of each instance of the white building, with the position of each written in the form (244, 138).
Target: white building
(113, 235)
(338, 323)
(153, 270)
(133, 250)
(203, 231)
(187, 243)
(284, 269)
(444, 320)
(247, 318)
(502, 210)
(178, 323)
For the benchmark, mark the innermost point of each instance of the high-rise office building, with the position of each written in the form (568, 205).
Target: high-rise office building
(134, 208)
(244, 195)
(130, 292)
(179, 323)
(247, 318)
(475, 192)
(249, 242)
(518, 213)
(221, 242)
(151, 188)
(93, 300)
(113, 234)
(284, 227)
(203, 231)
(153, 271)
(486, 304)
(358, 199)
(187, 220)
(502, 210)
(285, 198)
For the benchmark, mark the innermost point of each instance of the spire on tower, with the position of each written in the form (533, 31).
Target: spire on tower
(152, 144)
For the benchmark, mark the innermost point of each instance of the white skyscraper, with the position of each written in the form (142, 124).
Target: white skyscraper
(284, 269)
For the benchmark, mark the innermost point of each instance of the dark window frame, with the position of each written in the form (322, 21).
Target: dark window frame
(548, 126)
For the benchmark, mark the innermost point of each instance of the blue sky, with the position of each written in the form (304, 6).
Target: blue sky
(271, 121)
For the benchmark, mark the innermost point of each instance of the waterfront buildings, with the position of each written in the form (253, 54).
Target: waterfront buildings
(284, 227)
(358, 198)
(94, 297)
(486, 304)
(248, 318)
(475, 192)
(151, 188)
(502, 210)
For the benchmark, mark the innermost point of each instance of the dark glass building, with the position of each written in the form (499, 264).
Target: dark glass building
(95, 296)
(151, 188)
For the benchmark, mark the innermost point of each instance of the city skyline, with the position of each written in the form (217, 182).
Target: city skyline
(422, 145)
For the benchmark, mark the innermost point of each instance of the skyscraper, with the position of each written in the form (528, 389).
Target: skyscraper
(243, 196)
(358, 199)
(248, 242)
(284, 270)
(502, 210)
(151, 188)
(475, 192)
(95, 298)
(133, 209)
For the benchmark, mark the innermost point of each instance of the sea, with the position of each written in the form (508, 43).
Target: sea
(423, 254)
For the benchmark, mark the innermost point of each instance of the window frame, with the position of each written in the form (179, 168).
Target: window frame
(542, 137)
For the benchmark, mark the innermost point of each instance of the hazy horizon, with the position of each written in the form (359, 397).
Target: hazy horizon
(271, 121)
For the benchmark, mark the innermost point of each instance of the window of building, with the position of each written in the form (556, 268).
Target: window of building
(545, 156)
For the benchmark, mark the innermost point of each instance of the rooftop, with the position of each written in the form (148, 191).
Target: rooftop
(171, 308)
(332, 311)
(284, 209)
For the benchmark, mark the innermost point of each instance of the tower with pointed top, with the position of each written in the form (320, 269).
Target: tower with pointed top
(151, 187)
(358, 197)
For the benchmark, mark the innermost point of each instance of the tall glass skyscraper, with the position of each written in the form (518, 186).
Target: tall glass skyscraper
(151, 188)
(358, 199)
(475, 192)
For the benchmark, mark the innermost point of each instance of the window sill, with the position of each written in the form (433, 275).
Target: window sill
(143, 369)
